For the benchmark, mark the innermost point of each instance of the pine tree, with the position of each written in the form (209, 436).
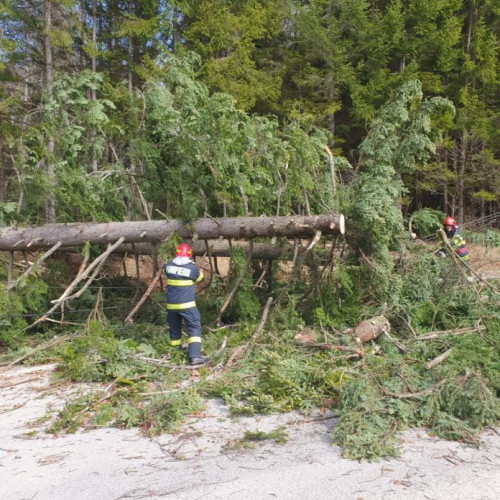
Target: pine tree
(401, 137)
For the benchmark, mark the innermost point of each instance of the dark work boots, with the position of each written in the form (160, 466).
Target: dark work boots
(199, 360)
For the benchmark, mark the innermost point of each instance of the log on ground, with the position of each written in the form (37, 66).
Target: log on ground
(372, 328)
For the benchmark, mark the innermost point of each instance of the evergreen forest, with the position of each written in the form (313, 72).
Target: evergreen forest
(384, 111)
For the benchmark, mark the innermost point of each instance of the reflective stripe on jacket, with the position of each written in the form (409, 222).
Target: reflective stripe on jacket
(457, 242)
(181, 281)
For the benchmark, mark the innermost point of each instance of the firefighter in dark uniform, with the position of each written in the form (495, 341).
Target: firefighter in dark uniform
(182, 275)
(456, 238)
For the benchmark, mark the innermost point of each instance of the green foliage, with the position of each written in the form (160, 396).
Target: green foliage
(306, 75)
(12, 322)
(19, 305)
(338, 301)
(394, 391)
(252, 439)
(372, 411)
(479, 355)
(367, 427)
(433, 295)
(245, 306)
(128, 415)
(71, 417)
(235, 29)
(33, 292)
(96, 355)
(426, 221)
(164, 413)
(281, 382)
(286, 316)
(461, 408)
(469, 399)
(77, 125)
(8, 213)
(489, 238)
(103, 415)
(400, 137)
(231, 158)
(422, 294)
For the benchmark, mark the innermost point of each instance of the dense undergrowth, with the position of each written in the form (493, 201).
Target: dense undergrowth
(137, 380)
(437, 368)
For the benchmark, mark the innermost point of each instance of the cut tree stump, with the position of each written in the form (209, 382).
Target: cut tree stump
(372, 328)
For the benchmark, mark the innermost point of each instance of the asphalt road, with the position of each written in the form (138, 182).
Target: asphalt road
(203, 459)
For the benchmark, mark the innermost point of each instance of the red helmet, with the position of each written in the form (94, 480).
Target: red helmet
(450, 221)
(183, 250)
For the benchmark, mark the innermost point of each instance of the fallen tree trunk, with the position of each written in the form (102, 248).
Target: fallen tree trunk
(155, 231)
(215, 247)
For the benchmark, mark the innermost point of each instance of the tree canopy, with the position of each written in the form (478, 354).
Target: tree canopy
(234, 94)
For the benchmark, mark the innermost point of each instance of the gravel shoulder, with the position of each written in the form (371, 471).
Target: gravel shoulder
(202, 460)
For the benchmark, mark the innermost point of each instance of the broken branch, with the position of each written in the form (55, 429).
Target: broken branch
(438, 360)
(132, 313)
(456, 331)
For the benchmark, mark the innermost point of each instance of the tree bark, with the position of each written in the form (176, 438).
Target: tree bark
(215, 248)
(50, 204)
(93, 66)
(155, 231)
(2, 173)
(461, 175)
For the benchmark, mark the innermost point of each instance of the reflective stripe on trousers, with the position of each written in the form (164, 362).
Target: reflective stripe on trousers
(178, 307)
(192, 320)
